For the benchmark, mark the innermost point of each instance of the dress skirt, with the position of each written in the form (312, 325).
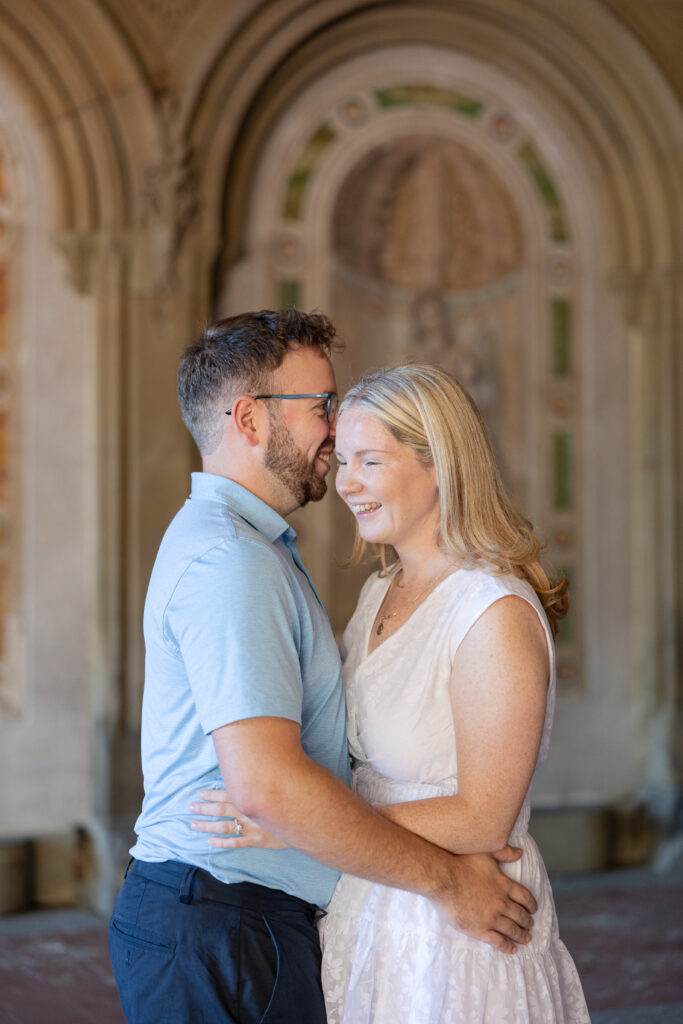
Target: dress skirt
(390, 957)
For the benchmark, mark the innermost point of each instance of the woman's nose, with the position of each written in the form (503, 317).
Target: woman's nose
(345, 481)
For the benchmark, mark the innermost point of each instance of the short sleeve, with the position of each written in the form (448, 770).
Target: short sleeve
(477, 592)
(481, 590)
(234, 619)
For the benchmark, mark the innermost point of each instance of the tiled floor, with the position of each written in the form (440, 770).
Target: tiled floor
(624, 930)
(54, 969)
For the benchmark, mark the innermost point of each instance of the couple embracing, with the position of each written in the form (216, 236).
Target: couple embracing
(409, 862)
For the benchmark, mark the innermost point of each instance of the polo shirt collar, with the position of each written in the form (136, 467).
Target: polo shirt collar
(210, 487)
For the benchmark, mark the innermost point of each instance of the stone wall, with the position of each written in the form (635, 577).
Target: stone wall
(492, 186)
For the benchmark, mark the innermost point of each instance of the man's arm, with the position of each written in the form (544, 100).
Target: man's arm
(270, 778)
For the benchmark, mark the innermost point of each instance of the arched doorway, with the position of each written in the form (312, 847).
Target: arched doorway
(369, 197)
(426, 218)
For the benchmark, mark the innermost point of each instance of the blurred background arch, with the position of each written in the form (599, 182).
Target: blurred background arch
(492, 186)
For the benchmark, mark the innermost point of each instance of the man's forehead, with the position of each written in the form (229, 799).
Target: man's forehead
(305, 369)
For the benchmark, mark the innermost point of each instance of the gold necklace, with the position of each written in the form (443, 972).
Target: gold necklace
(422, 594)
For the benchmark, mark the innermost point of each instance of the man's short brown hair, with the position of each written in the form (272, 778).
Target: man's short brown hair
(238, 356)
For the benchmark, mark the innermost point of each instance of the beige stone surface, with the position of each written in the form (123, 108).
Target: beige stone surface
(154, 146)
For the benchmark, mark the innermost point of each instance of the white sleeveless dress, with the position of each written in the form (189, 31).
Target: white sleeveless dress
(388, 955)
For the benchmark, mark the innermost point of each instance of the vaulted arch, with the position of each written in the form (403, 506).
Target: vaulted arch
(73, 77)
(603, 134)
(77, 168)
(606, 109)
(179, 160)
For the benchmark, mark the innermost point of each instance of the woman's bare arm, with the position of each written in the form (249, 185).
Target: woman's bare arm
(499, 688)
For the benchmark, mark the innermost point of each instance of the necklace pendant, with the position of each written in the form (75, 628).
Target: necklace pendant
(380, 628)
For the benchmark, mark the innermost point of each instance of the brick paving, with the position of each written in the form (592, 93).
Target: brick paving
(625, 931)
(54, 969)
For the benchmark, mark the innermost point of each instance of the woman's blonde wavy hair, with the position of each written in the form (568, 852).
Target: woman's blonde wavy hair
(430, 412)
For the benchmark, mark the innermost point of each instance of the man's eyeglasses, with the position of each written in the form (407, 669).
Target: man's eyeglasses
(330, 408)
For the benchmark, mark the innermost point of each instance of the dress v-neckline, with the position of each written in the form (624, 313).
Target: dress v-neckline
(368, 654)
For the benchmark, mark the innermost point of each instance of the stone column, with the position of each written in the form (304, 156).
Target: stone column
(646, 303)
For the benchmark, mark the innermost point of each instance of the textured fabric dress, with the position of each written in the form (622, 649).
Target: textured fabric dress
(389, 957)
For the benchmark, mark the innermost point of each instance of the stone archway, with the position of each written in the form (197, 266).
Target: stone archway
(427, 244)
(428, 253)
(77, 168)
(351, 221)
(587, 216)
(46, 781)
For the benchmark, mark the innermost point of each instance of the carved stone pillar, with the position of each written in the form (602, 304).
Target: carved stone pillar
(165, 307)
(645, 302)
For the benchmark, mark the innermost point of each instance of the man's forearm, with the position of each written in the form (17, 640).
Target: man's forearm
(273, 782)
(308, 807)
(313, 811)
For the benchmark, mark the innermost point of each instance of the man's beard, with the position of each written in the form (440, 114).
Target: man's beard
(291, 467)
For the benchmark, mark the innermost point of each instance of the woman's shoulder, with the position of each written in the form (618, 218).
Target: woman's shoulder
(474, 589)
(487, 581)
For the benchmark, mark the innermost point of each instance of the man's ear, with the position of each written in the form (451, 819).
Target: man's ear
(248, 420)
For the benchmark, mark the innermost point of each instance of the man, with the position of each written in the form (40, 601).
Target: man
(243, 689)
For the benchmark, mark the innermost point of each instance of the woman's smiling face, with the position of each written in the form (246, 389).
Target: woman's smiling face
(392, 494)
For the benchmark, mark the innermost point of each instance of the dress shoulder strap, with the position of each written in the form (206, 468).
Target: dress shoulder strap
(476, 591)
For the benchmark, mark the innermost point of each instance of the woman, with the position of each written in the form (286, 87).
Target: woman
(450, 684)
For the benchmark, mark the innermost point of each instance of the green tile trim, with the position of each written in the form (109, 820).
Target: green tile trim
(295, 194)
(430, 96)
(561, 337)
(536, 168)
(546, 188)
(557, 227)
(562, 469)
(289, 295)
(321, 138)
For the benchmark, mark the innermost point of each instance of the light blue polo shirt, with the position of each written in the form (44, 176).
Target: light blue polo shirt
(233, 629)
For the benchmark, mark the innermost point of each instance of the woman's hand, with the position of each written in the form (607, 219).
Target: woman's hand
(234, 832)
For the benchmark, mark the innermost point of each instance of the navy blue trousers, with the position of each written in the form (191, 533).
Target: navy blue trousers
(187, 949)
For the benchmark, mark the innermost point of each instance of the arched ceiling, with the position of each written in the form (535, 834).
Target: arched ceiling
(107, 81)
(658, 25)
(434, 215)
(74, 78)
(601, 96)
(165, 33)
